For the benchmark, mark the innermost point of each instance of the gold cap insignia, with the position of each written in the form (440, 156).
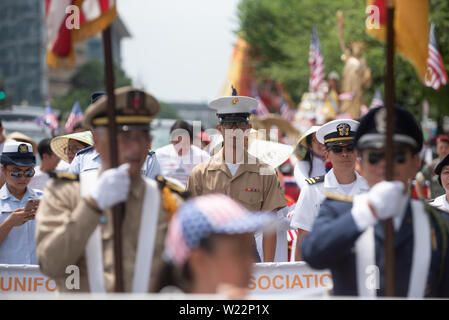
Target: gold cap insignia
(23, 148)
(235, 100)
(343, 129)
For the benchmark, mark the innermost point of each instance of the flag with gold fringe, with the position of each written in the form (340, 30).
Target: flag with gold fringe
(69, 21)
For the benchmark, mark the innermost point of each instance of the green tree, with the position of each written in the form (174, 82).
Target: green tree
(280, 30)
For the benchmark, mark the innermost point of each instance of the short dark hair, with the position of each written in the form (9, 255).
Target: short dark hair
(78, 125)
(44, 147)
(181, 124)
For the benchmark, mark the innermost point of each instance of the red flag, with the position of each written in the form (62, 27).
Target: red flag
(69, 21)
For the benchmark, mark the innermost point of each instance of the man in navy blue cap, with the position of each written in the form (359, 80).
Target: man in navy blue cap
(348, 234)
(17, 224)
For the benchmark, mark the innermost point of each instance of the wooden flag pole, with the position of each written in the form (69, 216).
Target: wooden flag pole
(117, 210)
(389, 172)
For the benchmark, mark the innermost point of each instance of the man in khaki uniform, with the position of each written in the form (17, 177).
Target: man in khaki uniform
(234, 172)
(74, 214)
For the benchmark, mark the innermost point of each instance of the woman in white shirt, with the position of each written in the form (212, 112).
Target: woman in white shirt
(310, 154)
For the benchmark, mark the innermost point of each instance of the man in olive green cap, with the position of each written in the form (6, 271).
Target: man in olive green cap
(74, 224)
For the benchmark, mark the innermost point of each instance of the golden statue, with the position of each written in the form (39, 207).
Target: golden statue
(356, 73)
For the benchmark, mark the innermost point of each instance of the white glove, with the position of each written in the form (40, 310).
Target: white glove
(112, 187)
(386, 197)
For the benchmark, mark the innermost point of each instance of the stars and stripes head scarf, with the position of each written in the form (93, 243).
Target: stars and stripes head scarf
(203, 216)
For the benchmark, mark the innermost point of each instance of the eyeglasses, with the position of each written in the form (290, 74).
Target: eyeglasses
(375, 156)
(19, 174)
(339, 149)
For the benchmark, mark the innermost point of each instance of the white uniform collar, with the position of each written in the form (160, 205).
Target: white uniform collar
(330, 180)
(5, 194)
(441, 202)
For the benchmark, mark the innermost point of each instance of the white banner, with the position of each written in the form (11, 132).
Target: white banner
(18, 278)
(289, 277)
(267, 278)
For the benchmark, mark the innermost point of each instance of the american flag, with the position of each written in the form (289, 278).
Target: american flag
(436, 75)
(49, 119)
(69, 21)
(316, 63)
(286, 111)
(261, 109)
(75, 116)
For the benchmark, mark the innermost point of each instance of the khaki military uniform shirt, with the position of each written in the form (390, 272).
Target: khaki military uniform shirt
(65, 223)
(254, 185)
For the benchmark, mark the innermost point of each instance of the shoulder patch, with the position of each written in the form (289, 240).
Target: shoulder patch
(315, 180)
(162, 182)
(339, 197)
(64, 176)
(85, 150)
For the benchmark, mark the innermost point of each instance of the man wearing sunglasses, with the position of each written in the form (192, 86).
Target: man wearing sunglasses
(17, 225)
(348, 235)
(342, 179)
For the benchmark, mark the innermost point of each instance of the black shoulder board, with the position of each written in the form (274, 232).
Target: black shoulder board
(162, 182)
(85, 150)
(151, 153)
(315, 180)
(64, 176)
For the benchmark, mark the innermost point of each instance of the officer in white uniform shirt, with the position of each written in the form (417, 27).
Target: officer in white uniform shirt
(442, 170)
(17, 225)
(337, 136)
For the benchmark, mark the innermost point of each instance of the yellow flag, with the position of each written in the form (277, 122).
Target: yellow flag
(411, 29)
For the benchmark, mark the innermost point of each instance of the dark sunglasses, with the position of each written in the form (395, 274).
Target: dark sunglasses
(376, 156)
(339, 149)
(19, 174)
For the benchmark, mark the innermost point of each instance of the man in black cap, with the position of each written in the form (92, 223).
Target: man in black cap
(17, 224)
(348, 234)
(442, 171)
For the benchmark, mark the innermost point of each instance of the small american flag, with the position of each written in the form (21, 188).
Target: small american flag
(261, 109)
(286, 111)
(75, 116)
(436, 75)
(49, 119)
(316, 63)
